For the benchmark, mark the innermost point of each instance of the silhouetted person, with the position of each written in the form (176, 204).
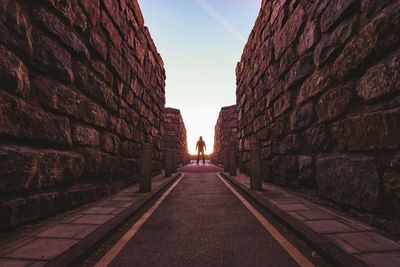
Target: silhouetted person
(200, 147)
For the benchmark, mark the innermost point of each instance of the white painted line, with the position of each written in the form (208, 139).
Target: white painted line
(116, 249)
(290, 249)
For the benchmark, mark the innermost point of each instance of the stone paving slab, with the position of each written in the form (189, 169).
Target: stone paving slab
(351, 236)
(58, 236)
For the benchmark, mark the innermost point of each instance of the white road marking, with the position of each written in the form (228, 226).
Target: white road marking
(116, 249)
(290, 249)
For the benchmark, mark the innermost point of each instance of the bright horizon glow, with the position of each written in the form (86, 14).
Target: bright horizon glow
(200, 42)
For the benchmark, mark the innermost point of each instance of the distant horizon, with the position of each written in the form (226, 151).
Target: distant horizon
(201, 43)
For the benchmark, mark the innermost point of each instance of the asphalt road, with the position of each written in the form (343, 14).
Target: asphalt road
(202, 223)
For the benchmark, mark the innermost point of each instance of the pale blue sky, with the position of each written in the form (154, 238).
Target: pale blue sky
(201, 42)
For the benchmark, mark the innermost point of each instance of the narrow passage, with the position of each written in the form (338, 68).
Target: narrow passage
(202, 223)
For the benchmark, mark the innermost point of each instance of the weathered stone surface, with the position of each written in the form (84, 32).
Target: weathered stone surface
(381, 80)
(20, 210)
(13, 73)
(69, 102)
(300, 70)
(317, 83)
(98, 89)
(377, 35)
(317, 138)
(52, 57)
(289, 32)
(112, 32)
(330, 44)
(175, 137)
(225, 134)
(58, 28)
(282, 104)
(84, 135)
(92, 9)
(391, 183)
(302, 116)
(24, 168)
(320, 79)
(349, 180)
(370, 131)
(81, 76)
(306, 169)
(308, 38)
(334, 103)
(14, 27)
(110, 143)
(98, 43)
(285, 171)
(22, 120)
(333, 12)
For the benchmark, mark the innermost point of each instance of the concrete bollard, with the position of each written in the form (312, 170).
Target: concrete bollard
(232, 160)
(174, 160)
(255, 166)
(226, 160)
(145, 170)
(168, 162)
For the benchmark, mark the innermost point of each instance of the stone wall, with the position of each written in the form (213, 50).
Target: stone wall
(82, 87)
(225, 132)
(175, 135)
(319, 86)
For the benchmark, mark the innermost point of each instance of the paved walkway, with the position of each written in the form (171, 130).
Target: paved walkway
(55, 236)
(201, 223)
(356, 238)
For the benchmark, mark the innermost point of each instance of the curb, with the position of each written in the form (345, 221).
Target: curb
(77, 253)
(322, 245)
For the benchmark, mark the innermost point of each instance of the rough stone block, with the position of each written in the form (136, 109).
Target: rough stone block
(289, 32)
(52, 57)
(381, 80)
(92, 9)
(21, 120)
(285, 171)
(58, 28)
(98, 89)
(15, 29)
(349, 180)
(331, 44)
(110, 143)
(333, 12)
(13, 73)
(334, 103)
(25, 168)
(98, 43)
(375, 36)
(65, 100)
(377, 130)
(84, 135)
(303, 116)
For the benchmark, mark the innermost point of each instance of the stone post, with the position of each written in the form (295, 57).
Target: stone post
(226, 159)
(232, 159)
(168, 162)
(174, 160)
(145, 170)
(255, 166)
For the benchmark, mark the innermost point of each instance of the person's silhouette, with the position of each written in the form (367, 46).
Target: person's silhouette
(200, 147)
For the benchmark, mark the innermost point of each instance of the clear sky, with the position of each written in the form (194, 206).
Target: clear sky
(201, 42)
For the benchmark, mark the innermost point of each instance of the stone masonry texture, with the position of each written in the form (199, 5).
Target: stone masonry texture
(225, 133)
(318, 85)
(82, 87)
(175, 135)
